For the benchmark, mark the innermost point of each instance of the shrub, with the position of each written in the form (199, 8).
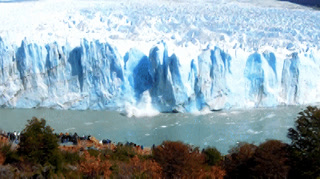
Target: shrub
(138, 168)
(212, 156)
(43, 171)
(271, 156)
(121, 153)
(39, 145)
(9, 155)
(238, 163)
(94, 153)
(94, 167)
(178, 160)
(2, 158)
(305, 144)
(4, 150)
(71, 157)
(6, 171)
(214, 172)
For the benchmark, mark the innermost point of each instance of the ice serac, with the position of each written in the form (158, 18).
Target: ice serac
(137, 66)
(254, 72)
(93, 75)
(167, 91)
(290, 79)
(10, 79)
(99, 71)
(210, 84)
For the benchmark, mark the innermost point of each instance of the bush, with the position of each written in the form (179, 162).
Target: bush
(9, 155)
(94, 167)
(214, 172)
(39, 145)
(94, 153)
(212, 156)
(271, 156)
(6, 171)
(121, 153)
(71, 157)
(238, 163)
(178, 160)
(138, 168)
(305, 144)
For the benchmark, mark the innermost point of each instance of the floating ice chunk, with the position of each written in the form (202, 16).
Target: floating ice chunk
(250, 131)
(141, 108)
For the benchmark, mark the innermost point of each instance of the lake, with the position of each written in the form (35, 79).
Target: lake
(222, 129)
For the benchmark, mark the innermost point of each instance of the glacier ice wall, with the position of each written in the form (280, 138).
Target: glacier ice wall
(95, 76)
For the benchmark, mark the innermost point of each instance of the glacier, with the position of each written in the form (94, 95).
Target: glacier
(166, 59)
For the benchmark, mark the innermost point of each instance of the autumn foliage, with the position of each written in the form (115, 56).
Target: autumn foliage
(138, 168)
(2, 158)
(251, 161)
(94, 167)
(271, 156)
(177, 159)
(238, 163)
(214, 172)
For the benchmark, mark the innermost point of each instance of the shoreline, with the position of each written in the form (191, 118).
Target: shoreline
(80, 143)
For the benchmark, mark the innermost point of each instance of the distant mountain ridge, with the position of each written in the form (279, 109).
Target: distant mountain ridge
(306, 2)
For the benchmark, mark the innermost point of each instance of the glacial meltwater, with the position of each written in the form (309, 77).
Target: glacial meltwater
(222, 129)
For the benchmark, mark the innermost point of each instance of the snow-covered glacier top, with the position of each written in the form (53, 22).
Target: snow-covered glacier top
(158, 55)
(250, 23)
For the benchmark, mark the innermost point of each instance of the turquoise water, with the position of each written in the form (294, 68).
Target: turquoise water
(221, 129)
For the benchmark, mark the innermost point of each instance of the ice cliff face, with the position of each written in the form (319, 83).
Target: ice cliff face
(94, 75)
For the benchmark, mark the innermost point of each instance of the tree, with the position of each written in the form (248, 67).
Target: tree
(39, 145)
(305, 144)
(212, 156)
(238, 163)
(178, 160)
(271, 156)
